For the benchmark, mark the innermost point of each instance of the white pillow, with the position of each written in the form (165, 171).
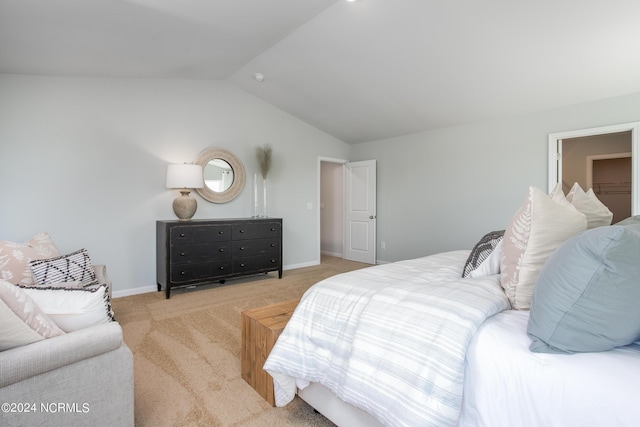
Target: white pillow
(21, 320)
(480, 253)
(491, 265)
(539, 227)
(558, 195)
(15, 332)
(73, 308)
(597, 213)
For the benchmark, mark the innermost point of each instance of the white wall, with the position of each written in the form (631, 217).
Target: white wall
(444, 189)
(85, 160)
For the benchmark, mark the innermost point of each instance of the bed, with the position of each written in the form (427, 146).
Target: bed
(424, 343)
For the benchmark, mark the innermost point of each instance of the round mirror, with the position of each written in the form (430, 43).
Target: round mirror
(223, 175)
(218, 175)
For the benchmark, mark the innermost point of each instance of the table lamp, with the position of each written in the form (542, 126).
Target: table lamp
(184, 177)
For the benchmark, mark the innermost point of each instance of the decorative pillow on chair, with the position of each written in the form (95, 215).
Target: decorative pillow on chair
(586, 297)
(73, 308)
(534, 233)
(21, 320)
(597, 213)
(15, 258)
(74, 267)
(484, 258)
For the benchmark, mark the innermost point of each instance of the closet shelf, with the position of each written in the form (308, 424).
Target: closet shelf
(612, 188)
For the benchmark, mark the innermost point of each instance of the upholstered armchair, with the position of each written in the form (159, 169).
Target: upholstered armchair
(80, 378)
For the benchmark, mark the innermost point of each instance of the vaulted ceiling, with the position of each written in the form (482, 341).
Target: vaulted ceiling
(360, 70)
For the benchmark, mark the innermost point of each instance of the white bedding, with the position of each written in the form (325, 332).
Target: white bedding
(507, 385)
(390, 339)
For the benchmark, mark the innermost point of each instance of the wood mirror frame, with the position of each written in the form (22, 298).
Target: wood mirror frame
(238, 175)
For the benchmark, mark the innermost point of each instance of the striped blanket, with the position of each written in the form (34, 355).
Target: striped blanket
(389, 339)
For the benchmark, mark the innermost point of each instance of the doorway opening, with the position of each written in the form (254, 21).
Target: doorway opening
(611, 156)
(347, 210)
(574, 154)
(610, 177)
(331, 207)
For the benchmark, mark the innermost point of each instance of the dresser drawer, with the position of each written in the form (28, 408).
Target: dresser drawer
(185, 254)
(256, 264)
(205, 271)
(244, 248)
(182, 235)
(256, 230)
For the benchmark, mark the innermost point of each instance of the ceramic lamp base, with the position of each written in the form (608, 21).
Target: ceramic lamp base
(185, 206)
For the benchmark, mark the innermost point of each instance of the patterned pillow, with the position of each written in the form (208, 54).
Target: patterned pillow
(21, 320)
(74, 267)
(73, 308)
(15, 258)
(539, 227)
(481, 251)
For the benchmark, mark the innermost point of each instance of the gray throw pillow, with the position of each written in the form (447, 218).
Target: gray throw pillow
(587, 295)
(481, 251)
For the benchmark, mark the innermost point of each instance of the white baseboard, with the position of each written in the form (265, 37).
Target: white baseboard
(154, 288)
(304, 264)
(135, 291)
(333, 254)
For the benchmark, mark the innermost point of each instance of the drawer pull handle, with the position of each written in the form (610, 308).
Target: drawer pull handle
(242, 248)
(273, 261)
(181, 253)
(221, 249)
(273, 229)
(242, 265)
(222, 267)
(220, 232)
(181, 234)
(242, 231)
(273, 245)
(182, 273)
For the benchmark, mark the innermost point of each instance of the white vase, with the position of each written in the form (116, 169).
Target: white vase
(256, 199)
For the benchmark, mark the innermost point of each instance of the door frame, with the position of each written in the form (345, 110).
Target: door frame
(555, 156)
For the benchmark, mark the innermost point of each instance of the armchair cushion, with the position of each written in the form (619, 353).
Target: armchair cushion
(20, 363)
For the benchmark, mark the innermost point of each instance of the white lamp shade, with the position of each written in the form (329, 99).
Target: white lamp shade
(184, 176)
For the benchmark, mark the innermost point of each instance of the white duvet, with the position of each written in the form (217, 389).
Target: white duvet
(389, 339)
(507, 385)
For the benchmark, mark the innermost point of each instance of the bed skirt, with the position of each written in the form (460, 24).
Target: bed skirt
(340, 413)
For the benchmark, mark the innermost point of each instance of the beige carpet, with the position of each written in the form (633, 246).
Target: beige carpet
(187, 351)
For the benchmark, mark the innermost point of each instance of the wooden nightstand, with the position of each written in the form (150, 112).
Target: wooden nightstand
(261, 327)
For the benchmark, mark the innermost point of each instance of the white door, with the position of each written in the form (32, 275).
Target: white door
(360, 207)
